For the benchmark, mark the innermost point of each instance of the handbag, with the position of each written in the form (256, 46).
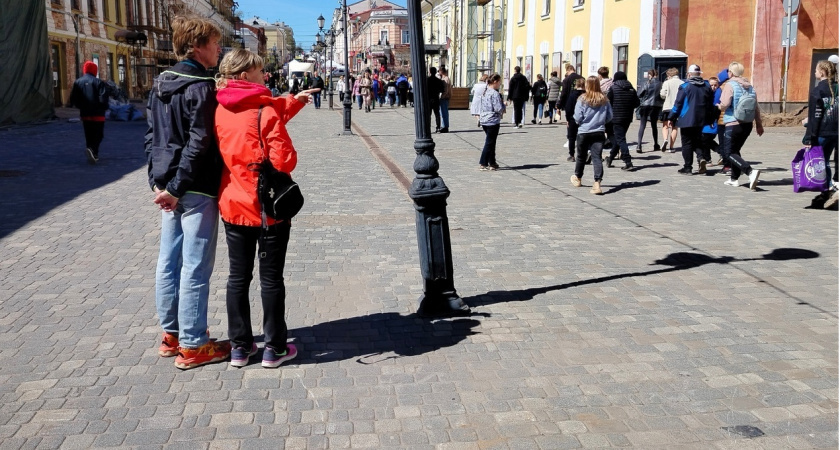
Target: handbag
(280, 197)
(808, 168)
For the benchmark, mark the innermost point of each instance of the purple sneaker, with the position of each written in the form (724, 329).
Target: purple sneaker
(271, 358)
(239, 356)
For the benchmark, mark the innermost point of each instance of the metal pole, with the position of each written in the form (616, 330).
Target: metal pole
(789, 9)
(347, 88)
(332, 67)
(659, 24)
(429, 193)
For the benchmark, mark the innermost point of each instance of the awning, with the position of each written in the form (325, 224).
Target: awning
(131, 37)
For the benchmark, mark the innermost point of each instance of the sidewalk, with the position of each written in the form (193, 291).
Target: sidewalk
(672, 312)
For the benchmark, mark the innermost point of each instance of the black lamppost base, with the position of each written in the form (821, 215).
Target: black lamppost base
(442, 305)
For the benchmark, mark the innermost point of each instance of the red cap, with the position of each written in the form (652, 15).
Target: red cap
(90, 67)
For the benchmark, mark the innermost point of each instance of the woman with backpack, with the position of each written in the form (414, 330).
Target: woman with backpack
(592, 112)
(822, 127)
(738, 117)
(539, 93)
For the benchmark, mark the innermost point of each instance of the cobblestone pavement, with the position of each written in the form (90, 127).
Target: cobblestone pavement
(672, 312)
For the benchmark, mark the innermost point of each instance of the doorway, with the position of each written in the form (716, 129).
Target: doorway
(57, 68)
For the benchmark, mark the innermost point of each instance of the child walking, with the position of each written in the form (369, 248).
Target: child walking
(592, 112)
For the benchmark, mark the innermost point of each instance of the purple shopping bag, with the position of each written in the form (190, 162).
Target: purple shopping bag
(809, 170)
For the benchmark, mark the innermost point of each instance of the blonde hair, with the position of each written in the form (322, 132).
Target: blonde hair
(580, 83)
(736, 68)
(191, 32)
(593, 95)
(828, 68)
(234, 63)
(672, 72)
(484, 78)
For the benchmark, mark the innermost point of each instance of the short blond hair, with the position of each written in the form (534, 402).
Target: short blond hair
(191, 32)
(736, 68)
(234, 63)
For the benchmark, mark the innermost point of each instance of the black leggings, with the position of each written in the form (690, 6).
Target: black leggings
(649, 114)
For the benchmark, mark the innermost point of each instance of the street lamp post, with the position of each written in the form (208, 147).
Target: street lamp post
(331, 43)
(429, 193)
(347, 88)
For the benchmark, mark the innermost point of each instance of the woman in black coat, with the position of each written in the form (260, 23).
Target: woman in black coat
(539, 92)
(650, 106)
(624, 100)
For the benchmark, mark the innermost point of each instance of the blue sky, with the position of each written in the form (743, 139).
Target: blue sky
(301, 15)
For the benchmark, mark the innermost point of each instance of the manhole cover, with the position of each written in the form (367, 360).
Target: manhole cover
(745, 431)
(11, 173)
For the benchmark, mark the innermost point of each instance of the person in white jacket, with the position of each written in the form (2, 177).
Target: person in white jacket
(669, 92)
(476, 92)
(341, 85)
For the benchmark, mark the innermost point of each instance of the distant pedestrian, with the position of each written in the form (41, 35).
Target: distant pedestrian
(391, 90)
(518, 91)
(592, 112)
(539, 94)
(604, 79)
(650, 108)
(402, 90)
(568, 83)
(435, 88)
(341, 86)
(365, 90)
(251, 126)
(554, 84)
(572, 125)
(690, 113)
(491, 110)
(668, 93)
(91, 96)
(357, 92)
(477, 90)
(184, 167)
(623, 100)
(739, 104)
(445, 96)
(822, 126)
(317, 83)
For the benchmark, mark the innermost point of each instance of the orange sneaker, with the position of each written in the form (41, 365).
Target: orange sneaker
(208, 353)
(168, 345)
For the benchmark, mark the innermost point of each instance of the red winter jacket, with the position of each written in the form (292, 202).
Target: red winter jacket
(236, 130)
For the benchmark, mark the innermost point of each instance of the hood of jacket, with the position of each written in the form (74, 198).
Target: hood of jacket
(723, 75)
(240, 95)
(555, 80)
(697, 81)
(180, 76)
(622, 84)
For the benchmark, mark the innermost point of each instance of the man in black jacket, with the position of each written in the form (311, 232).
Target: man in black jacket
(623, 100)
(317, 83)
(518, 91)
(568, 87)
(90, 95)
(185, 170)
(691, 111)
(436, 87)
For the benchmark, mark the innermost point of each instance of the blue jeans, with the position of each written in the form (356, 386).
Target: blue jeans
(316, 98)
(444, 112)
(360, 99)
(182, 280)
(538, 111)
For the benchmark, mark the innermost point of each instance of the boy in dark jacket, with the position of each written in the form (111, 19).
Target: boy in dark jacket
(185, 171)
(624, 100)
(90, 95)
(692, 110)
(572, 127)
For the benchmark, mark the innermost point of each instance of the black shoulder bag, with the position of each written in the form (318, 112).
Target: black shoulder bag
(280, 197)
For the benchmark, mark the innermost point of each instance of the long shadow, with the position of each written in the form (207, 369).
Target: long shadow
(654, 166)
(630, 185)
(527, 167)
(782, 182)
(677, 262)
(368, 338)
(648, 157)
(44, 166)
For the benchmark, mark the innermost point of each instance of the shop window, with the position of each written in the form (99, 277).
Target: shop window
(621, 58)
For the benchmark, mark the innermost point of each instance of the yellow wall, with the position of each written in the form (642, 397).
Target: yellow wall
(577, 24)
(619, 14)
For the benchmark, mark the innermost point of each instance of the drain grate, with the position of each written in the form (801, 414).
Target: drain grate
(11, 173)
(746, 431)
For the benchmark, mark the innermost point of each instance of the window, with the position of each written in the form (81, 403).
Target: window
(92, 7)
(577, 61)
(75, 5)
(621, 58)
(405, 37)
(577, 4)
(519, 61)
(106, 11)
(545, 66)
(546, 7)
(383, 37)
(117, 12)
(522, 11)
(55, 2)
(109, 60)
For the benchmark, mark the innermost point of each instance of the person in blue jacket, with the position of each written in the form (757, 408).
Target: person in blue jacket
(692, 110)
(710, 131)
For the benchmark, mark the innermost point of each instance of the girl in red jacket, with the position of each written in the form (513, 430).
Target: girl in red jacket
(243, 98)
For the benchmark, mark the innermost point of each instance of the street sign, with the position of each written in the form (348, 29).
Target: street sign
(792, 4)
(793, 30)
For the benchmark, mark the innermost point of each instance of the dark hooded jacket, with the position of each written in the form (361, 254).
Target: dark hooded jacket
(623, 99)
(694, 105)
(181, 150)
(649, 93)
(518, 87)
(90, 94)
(568, 87)
(820, 100)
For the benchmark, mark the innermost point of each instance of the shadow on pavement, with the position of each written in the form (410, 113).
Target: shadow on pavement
(370, 338)
(44, 166)
(677, 261)
(653, 166)
(631, 184)
(782, 182)
(527, 166)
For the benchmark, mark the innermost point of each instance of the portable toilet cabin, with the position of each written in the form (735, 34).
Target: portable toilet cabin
(661, 60)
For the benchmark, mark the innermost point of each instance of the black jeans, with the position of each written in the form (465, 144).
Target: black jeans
(620, 142)
(709, 144)
(734, 138)
(242, 245)
(435, 108)
(94, 133)
(551, 105)
(593, 143)
(403, 96)
(571, 134)
(517, 110)
(692, 143)
(649, 114)
(488, 153)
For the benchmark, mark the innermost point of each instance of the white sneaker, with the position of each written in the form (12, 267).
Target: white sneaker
(566, 145)
(731, 182)
(835, 195)
(754, 178)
